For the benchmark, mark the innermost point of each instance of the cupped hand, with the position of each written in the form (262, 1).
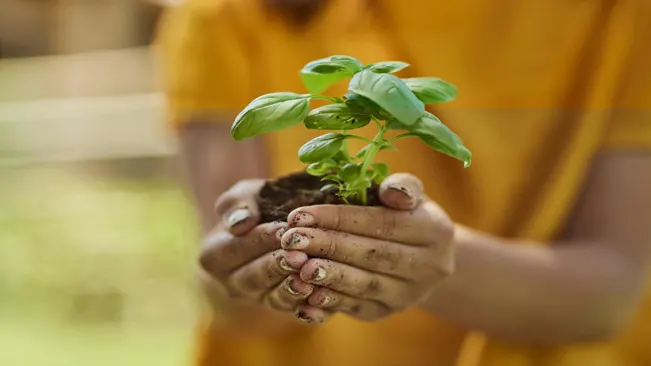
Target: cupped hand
(246, 259)
(370, 262)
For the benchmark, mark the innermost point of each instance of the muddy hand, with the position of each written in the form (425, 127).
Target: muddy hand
(370, 262)
(246, 259)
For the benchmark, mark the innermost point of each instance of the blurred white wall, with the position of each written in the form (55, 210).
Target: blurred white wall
(84, 106)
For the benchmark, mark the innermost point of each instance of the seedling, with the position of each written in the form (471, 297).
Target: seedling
(374, 95)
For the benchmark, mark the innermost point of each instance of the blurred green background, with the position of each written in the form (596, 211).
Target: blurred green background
(94, 272)
(97, 229)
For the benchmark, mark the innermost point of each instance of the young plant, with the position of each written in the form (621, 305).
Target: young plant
(374, 95)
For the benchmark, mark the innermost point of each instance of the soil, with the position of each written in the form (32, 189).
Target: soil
(279, 197)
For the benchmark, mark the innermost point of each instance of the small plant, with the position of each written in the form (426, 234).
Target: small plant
(375, 95)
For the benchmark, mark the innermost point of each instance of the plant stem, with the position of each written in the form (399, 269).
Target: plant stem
(344, 146)
(377, 123)
(368, 159)
(360, 138)
(404, 135)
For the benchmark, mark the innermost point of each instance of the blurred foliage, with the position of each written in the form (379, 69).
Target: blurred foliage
(94, 271)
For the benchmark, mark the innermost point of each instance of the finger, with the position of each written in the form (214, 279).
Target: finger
(265, 272)
(222, 252)
(311, 315)
(374, 255)
(401, 191)
(425, 225)
(286, 295)
(355, 282)
(238, 207)
(324, 298)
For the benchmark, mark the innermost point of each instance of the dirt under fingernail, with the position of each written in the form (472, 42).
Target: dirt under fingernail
(283, 264)
(302, 316)
(319, 274)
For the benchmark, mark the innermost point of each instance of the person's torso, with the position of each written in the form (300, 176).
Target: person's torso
(533, 80)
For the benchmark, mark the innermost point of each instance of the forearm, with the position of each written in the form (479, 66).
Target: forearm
(570, 292)
(213, 163)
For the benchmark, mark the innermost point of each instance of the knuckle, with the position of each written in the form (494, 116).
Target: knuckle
(388, 224)
(222, 203)
(444, 228)
(333, 240)
(371, 288)
(338, 217)
(210, 259)
(238, 192)
(273, 267)
(439, 269)
(383, 257)
(445, 270)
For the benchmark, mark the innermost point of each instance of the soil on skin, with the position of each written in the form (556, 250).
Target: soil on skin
(278, 198)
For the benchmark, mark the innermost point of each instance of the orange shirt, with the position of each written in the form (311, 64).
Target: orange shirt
(543, 87)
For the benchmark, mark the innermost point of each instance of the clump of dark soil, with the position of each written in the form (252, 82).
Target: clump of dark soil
(279, 197)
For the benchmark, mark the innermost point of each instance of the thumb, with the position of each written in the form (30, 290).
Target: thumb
(238, 208)
(401, 191)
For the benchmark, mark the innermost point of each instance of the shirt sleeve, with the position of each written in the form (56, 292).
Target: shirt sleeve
(203, 63)
(630, 124)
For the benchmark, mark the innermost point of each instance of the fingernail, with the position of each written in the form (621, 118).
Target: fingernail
(303, 219)
(402, 189)
(319, 274)
(290, 288)
(296, 241)
(283, 264)
(238, 216)
(325, 300)
(302, 316)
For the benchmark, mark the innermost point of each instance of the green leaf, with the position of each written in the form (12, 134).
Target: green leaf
(439, 137)
(432, 90)
(380, 172)
(390, 93)
(364, 105)
(331, 177)
(385, 146)
(350, 172)
(387, 67)
(336, 117)
(350, 63)
(270, 112)
(320, 74)
(330, 187)
(381, 169)
(321, 148)
(340, 157)
(321, 168)
(394, 124)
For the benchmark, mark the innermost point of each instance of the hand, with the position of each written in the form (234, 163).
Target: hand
(370, 262)
(246, 259)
